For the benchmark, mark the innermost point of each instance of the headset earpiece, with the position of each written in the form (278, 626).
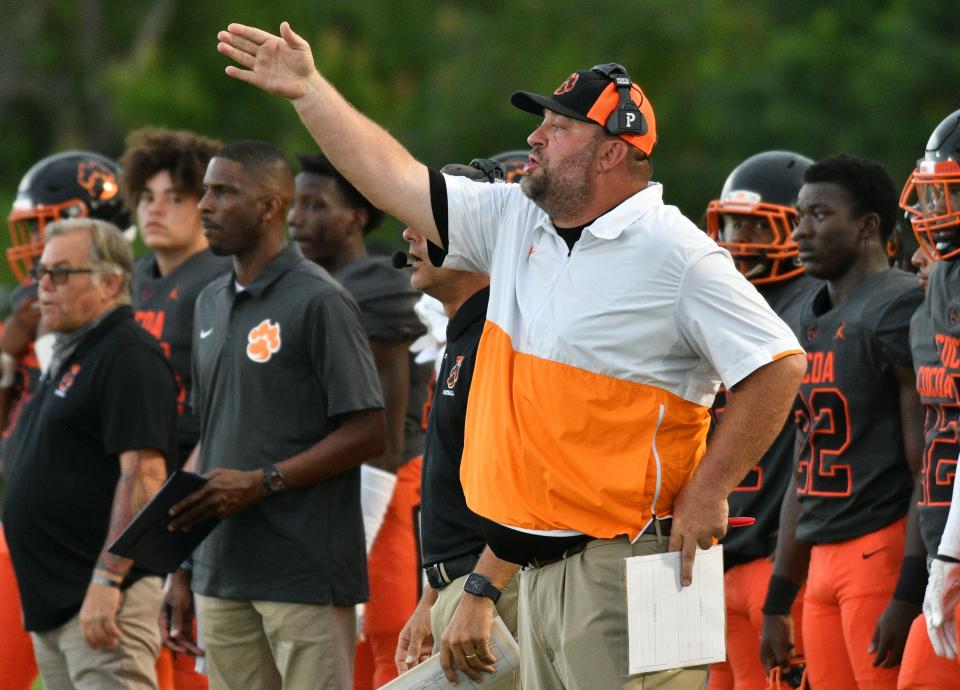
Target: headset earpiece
(627, 118)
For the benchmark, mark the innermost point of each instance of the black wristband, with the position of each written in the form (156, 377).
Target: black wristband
(913, 580)
(780, 596)
(946, 559)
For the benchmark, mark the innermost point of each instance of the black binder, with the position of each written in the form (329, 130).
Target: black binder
(148, 542)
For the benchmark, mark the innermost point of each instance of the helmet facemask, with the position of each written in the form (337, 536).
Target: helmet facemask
(931, 199)
(769, 255)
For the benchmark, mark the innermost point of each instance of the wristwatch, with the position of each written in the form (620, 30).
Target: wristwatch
(479, 586)
(273, 480)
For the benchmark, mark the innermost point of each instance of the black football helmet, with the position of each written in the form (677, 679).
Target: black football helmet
(931, 196)
(764, 187)
(72, 184)
(512, 162)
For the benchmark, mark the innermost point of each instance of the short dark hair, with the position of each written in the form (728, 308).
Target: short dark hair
(267, 163)
(866, 182)
(318, 164)
(150, 150)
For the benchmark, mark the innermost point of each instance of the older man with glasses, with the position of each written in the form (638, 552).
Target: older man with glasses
(93, 445)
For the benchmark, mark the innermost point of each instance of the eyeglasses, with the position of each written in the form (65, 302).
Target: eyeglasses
(59, 275)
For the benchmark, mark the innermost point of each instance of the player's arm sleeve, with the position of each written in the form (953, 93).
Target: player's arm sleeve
(727, 322)
(950, 541)
(893, 328)
(139, 402)
(468, 216)
(341, 357)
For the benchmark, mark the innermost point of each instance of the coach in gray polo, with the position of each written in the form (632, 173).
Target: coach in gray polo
(289, 406)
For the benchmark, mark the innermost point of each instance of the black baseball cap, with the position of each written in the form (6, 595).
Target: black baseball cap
(591, 96)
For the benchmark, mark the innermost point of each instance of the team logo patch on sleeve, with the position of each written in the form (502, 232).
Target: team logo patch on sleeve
(263, 341)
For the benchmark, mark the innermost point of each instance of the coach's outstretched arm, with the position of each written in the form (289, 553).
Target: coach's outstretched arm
(367, 155)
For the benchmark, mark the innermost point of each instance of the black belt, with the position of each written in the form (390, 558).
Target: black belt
(580, 545)
(439, 575)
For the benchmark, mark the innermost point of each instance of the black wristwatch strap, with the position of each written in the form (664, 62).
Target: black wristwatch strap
(480, 586)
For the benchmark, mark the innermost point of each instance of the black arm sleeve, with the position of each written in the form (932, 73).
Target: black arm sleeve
(438, 203)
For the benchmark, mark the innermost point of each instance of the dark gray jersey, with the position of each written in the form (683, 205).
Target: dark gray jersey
(163, 305)
(761, 492)
(935, 341)
(852, 475)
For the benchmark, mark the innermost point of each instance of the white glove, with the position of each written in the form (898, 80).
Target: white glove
(939, 604)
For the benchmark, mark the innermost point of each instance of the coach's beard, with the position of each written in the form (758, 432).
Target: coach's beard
(563, 192)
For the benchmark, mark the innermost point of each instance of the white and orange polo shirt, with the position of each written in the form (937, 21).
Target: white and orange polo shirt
(596, 370)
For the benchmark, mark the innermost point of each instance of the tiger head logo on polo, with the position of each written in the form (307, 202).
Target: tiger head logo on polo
(263, 341)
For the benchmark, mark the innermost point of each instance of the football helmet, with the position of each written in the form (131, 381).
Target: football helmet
(512, 162)
(72, 184)
(931, 196)
(762, 189)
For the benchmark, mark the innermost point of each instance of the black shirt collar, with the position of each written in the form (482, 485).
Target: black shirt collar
(469, 312)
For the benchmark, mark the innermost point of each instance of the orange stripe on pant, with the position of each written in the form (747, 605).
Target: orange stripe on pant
(849, 584)
(395, 576)
(18, 668)
(745, 588)
(921, 668)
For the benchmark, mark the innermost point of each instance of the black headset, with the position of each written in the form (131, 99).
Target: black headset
(627, 118)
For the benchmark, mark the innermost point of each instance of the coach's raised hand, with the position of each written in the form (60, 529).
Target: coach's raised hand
(279, 64)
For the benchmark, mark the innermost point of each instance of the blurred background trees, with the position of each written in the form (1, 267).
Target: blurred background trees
(727, 79)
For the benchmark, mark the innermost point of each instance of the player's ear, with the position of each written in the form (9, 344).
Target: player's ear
(869, 226)
(359, 219)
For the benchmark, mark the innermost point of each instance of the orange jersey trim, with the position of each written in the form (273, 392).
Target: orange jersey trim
(552, 446)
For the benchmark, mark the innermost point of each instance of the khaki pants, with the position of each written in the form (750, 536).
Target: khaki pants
(269, 645)
(446, 605)
(67, 662)
(573, 623)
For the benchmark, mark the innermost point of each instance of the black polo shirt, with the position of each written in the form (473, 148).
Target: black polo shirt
(164, 307)
(115, 393)
(274, 367)
(448, 528)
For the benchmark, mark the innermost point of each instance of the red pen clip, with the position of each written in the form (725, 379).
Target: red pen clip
(741, 521)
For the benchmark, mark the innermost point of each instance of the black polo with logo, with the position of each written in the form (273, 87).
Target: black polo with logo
(448, 528)
(163, 305)
(115, 393)
(274, 368)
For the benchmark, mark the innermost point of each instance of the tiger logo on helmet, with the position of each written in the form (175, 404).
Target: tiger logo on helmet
(72, 184)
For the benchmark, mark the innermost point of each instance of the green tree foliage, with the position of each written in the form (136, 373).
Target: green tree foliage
(727, 79)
